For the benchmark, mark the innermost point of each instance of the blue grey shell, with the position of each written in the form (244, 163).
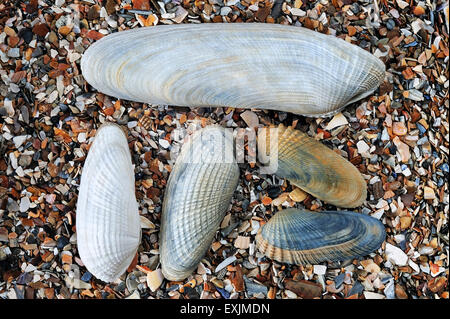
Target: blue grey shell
(302, 237)
(198, 194)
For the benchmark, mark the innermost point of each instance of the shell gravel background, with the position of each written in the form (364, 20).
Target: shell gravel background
(398, 138)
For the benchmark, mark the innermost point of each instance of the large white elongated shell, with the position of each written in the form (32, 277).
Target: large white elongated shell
(107, 219)
(198, 194)
(245, 65)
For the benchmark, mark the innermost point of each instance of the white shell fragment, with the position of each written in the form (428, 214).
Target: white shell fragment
(245, 65)
(107, 220)
(396, 255)
(197, 196)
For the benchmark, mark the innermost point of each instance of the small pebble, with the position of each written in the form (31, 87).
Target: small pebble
(24, 204)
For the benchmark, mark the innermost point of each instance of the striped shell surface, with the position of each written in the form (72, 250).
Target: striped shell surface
(107, 217)
(198, 194)
(314, 167)
(244, 65)
(302, 237)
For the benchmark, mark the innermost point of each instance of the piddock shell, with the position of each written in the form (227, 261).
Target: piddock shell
(107, 216)
(303, 237)
(198, 194)
(244, 65)
(313, 167)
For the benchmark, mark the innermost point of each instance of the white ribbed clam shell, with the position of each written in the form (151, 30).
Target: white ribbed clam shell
(198, 194)
(245, 65)
(107, 219)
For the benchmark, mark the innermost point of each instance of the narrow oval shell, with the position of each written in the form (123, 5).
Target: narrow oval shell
(107, 218)
(302, 237)
(198, 194)
(245, 65)
(314, 167)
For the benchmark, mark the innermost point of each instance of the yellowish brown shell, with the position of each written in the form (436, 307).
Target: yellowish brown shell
(315, 168)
